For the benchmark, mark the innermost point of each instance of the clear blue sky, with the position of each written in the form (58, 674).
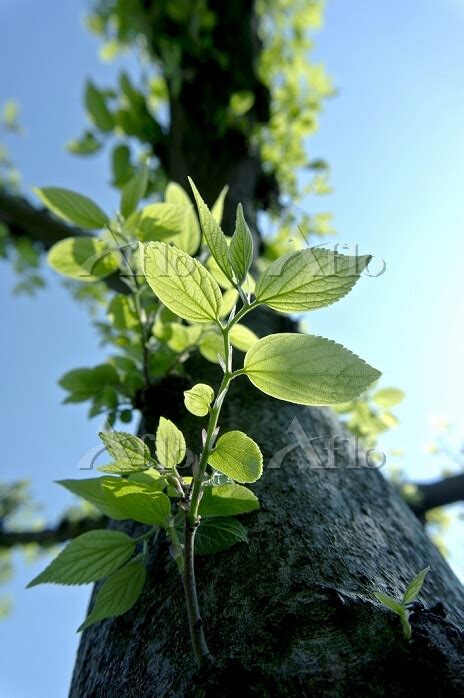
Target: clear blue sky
(394, 138)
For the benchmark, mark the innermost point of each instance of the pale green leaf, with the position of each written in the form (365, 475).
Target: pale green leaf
(159, 221)
(217, 209)
(388, 397)
(189, 238)
(307, 370)
(121, 469)
(118, 593)
(227, 500)
(198, 399)
(72, 207)
(170, 444)
(215, 535)
(238, 457)
(241, 247)
(308, 279)
(121, 313)
(88, 558)
(389, 602)
(415, 586)
(241, 337)
(136, 501)
(181, 282)
(213, 234)
(127, 450)
(211, 346)
(83, 258)
(134, 191)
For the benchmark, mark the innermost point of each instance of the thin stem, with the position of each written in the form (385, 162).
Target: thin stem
(197, 635)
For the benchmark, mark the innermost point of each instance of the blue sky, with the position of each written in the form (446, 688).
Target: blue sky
(394, 138)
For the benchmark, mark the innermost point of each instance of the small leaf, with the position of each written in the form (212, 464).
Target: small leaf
(170, 444)
(227, 500)
(307, 370)
(121, 469)
(238, 457)
(198, 399)
(127, 450)
(308, 279)
(241, 247)
(134, 191)
(241, 337)
(72, 207)
(136, 501)
(121, 313)
(389, 602)
(214, 236)
(181, 282)
(388, 397)
(211, 346)
(415, 586)
(118, 593)
(88, 558)
(215, 535)
(83, 258)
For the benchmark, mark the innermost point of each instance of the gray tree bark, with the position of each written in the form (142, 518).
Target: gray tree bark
(293, 612)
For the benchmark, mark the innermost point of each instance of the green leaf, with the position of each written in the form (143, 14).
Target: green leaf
(134, 191)
(181, 282)
(214, 535)
(118, 593)
(86, 145)
(170, 444)
(96, 107)
(86, 383)
(72, 207)
(121, 313)
(389, 602)
(91, 490)
(218, 206)
(415, 586)
(308, 279)
(307, 370)
(238, 457)
(136, 501)
(83, 258)
(127, 450)
(211, 346)
(241, 337)
(189, 238)
(227, 500)
(121, 469)
(214, 236)
(198, 399)
(152, 479)
(88, 558)
(159, 221)
(241, 247)
(388, 397)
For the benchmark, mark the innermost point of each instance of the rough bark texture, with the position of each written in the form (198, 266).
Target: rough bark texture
(293, 613)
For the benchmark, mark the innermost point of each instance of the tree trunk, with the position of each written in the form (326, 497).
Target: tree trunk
(293, 612)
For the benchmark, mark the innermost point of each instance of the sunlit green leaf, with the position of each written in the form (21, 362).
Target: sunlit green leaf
(136, 501)
(227, 500)
(198, 399)
(181, 282)
(88, 558)
(118, 593)
(241, 247)
(170, 444)
(126, 449)
(72, 207)
(238, 457)
(308, 279)
(415, 586)
(307, 369)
